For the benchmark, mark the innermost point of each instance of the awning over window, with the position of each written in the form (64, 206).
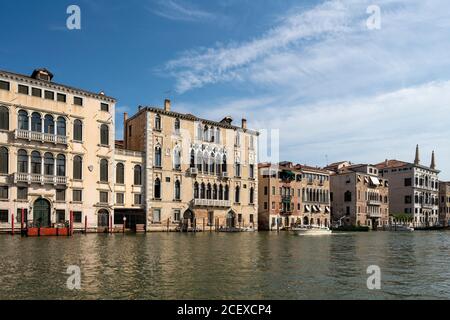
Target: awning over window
(327, 209)
(375, 181)
(316, 209)
(307, 208)
(366, 179)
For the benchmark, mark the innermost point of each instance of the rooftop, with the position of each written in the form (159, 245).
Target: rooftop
(225, 123)
(34, 79)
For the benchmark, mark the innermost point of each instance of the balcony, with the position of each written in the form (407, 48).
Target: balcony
(374, 203)
(39, 178)
(212, 203)
(40, 136)
(374, 214)
(286, 199)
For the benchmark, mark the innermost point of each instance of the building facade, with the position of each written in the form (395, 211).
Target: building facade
(444, 203)
(359, 197)
(56, 152)
(292, 195)
(413, 189)
(198, 174)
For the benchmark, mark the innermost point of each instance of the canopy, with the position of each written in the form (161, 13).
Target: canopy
(375, 181)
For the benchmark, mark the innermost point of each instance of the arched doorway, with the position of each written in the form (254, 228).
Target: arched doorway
(188, 220)
(41, 213)
(305, 221)
(102, 220)
(231, 219)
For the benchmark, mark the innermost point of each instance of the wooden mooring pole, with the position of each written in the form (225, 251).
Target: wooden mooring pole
(22, 219)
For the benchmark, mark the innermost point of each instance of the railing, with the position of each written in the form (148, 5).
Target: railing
(40, 136)
(374, 202)
(39, 178)
(129, 152)
(375, 214)
(211, 203)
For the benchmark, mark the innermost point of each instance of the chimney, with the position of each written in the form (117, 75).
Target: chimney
(167, 105)
(433, 161)
(42, 74)
(227, 120)
(244, 124)
(417, 159)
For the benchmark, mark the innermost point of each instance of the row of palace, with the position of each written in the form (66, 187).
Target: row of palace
(175, 171)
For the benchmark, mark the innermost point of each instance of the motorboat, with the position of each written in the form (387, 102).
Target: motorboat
(311, 230)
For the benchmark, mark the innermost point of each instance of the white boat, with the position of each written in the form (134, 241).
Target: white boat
(401, 227)
(311, 230)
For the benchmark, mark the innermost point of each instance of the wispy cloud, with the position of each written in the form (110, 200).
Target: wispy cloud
(181, 11)
(332, 86)
(198, 67)
(365, 129)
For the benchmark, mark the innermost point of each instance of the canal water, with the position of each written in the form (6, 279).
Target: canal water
(260, 265)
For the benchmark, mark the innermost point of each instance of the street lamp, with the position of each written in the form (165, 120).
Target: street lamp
(124, 223)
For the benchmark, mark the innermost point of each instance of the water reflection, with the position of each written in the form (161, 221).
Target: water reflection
(227, 266)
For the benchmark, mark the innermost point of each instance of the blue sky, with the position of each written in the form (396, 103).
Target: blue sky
(335, 89)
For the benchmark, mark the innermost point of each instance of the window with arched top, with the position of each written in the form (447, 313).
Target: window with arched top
(4, 160)
(61, 165)
(177, 126)
(237, 195)
(220, 192)
(205, 163)
(22, 120)
(104, 170)
(49, 164)
(77, 168)
(158, 122)
(120, 173)
(199, 161)
(104, 135)
(212, 158)
(157, 189)
(208, 191)
(36, 162)
(202, 191)
(214, 192)
(196, 190)
(22, 161)
(49, 124)
(192, 159)
(158, 155)
(36, 122)
(206, 133)
(4, 118)
(226, 194)
(224, 163)
(137, 175)
(177, 190)
(218, 135)
(218, 164)
(78, 130)
(177, 159)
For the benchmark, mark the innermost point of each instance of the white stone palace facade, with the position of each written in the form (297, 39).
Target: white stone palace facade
(172, 171)
(57, 152)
